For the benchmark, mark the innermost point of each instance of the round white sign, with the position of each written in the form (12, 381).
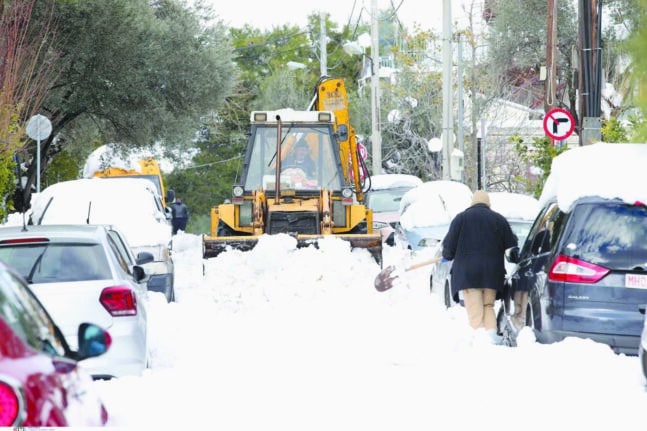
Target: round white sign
(435, 145)
(39, 127)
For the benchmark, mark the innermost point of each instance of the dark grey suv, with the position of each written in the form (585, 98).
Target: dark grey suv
(585, 272)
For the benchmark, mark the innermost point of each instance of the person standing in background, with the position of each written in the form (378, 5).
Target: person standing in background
(476, 242)
(180, 215)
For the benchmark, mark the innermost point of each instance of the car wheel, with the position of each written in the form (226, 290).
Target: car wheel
(431, 284)
(643, 361)
(447, 295)
(172, 295)
(170, 292)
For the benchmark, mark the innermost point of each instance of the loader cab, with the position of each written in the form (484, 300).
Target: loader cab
(306, 136)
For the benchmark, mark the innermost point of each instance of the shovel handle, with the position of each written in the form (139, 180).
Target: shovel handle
(424, 263)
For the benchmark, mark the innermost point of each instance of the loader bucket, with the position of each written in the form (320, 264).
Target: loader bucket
(212, 247)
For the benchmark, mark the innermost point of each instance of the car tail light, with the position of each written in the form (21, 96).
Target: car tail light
(119, 301)
(573, 270)
(11, 405)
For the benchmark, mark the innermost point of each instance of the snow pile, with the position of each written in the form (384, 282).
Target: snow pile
(107, 156)
(603, 169)
(389, 181)
(514, 205)
(433, 203)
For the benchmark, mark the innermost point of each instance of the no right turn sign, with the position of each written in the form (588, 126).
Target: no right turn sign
(559, 123)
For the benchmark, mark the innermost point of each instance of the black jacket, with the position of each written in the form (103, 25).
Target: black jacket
(476, 242)
(307, 165)
(179, 210)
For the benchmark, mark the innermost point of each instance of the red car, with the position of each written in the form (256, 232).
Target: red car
(41, 384)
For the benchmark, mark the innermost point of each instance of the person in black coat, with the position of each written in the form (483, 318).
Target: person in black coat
(180, 215)
(300, 159)
(476, 242)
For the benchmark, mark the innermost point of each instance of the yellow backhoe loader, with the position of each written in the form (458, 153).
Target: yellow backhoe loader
(301, 176)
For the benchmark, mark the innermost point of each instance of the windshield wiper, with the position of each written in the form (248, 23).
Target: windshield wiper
(282, 140)
(36, 265)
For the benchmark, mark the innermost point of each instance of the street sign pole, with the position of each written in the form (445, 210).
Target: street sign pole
(38, 128)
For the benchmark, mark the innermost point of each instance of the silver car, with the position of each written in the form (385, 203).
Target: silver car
(131, 204)
(86, 273)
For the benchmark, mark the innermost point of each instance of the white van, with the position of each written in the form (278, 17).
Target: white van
(131, 204)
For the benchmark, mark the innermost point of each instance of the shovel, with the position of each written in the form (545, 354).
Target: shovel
(384, 280)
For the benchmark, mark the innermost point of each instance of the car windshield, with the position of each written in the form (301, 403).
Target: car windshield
(51, 263)
(386, 200)
(622, 247)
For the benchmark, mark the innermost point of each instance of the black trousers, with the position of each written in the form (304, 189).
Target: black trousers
(179, 223)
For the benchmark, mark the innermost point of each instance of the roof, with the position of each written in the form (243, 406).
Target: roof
(131, 204)
(386, 181)
(433, 203)
(514, 205)
(77, 232)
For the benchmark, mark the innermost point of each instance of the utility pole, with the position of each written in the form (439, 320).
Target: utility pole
(551, 62)
(376, 136)
(323, 66)
(590, 70)
(459, 108)
(447, 133)
(551, 54)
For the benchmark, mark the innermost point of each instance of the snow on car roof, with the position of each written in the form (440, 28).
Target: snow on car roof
(514, 205)
(106, 155)
(387, 181)
(602, 169)
(433, 203)
(129, 203)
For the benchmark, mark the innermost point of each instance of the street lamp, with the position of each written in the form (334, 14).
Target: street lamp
(295, 65)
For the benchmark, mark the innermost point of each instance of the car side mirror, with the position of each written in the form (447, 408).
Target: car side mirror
(170, 196)
(512, 254)
(138, 273)
(342, 132)
(93, 341)
(144, 257)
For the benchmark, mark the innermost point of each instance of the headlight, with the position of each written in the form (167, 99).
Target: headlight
(238, 191)
(347, 192)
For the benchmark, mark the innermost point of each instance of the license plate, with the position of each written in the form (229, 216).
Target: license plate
(637, 281)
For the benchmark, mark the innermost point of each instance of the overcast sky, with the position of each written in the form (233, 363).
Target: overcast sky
(267, 15)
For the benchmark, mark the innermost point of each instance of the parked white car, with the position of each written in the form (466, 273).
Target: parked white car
(86, 273)
(131, 204)
(427, 210)
(384, 198)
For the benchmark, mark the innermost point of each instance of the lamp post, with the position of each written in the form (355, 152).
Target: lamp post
(376, 135)
(447, 89)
